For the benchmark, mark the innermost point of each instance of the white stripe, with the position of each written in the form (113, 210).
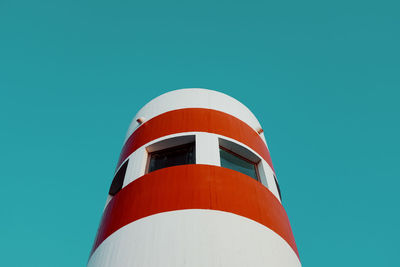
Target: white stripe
(203, 238)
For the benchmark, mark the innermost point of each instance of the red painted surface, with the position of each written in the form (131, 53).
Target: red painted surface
(195, 120)
(195, 187)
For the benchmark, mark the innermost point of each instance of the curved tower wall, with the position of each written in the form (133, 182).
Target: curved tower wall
(198, 214)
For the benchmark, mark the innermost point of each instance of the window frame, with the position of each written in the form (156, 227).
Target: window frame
(255, 164)
(149, 154)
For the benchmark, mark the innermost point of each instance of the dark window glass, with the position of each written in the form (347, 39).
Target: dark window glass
(277, 186)
(118, 180)
(238, 163)
(179, 155)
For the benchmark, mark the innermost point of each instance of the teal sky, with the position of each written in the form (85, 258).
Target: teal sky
(321, 76)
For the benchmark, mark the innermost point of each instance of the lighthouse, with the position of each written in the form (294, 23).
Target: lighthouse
(194, 187)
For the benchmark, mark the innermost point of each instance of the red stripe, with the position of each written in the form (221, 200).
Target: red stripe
(195, 120)
(195, 187)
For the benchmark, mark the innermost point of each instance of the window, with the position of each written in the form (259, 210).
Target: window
(178, 155)
(234, 161)
(118, 180)
(277, 186)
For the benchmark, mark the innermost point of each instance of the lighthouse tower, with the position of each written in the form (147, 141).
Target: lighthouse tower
(194, 186)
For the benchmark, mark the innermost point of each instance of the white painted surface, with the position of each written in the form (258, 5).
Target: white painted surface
(268, 177)
(194, 238)
(207, 149)
(195, 98)
(136, 166)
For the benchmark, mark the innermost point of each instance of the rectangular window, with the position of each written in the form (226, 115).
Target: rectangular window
(238, 163)
(179, 155)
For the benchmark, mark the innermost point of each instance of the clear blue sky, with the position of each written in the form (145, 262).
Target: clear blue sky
(321, 76)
